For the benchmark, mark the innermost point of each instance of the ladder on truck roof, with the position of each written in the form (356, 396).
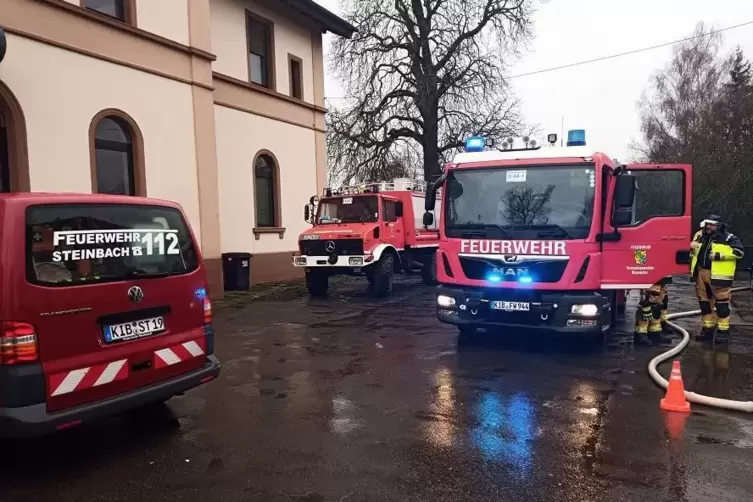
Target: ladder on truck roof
(396, 185)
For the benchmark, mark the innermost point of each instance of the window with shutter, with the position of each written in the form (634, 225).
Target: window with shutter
(259, 52)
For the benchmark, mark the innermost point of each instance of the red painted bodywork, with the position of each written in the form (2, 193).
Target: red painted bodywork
(73, 341)
(608, 260)
(399, 234)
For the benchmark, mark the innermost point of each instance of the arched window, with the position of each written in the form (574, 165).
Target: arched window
(117, 155)
(265, 183)
(14, 160)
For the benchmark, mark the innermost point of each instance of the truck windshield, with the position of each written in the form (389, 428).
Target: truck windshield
(355, 209)
(526, 202)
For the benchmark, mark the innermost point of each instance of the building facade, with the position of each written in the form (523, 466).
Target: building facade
(215, 104)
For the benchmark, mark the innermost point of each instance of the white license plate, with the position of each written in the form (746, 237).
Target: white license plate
(511, 306)
(134, 329)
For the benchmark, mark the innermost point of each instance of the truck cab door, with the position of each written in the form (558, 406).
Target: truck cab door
(392, 224)
(647, 226)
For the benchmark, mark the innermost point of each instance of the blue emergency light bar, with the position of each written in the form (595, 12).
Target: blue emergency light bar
(576, 137)
(525, 279)
(475, 144)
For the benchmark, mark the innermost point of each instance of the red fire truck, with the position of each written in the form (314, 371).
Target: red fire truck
(554, 237)
(372, 230)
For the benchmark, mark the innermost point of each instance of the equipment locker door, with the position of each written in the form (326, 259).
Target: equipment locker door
(650, 238)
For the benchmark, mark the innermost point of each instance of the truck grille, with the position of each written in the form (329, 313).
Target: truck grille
(541, 271)
(343, 247)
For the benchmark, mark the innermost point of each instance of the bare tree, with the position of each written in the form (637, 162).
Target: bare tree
(526, 205)
(423, 75)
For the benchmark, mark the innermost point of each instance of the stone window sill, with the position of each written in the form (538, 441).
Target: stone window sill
(280, 231)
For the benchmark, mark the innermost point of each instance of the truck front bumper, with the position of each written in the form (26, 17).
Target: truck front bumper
(561, 312)
(34, 419)
(333, 261)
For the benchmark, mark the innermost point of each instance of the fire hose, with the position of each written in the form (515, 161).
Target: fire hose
(692, 397)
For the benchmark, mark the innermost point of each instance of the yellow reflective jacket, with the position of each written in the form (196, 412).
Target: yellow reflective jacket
(727, 248)
(697, 237)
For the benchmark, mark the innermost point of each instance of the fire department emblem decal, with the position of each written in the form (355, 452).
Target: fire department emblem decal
(641, 257)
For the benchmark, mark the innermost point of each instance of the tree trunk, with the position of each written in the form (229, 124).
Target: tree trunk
(431, 144)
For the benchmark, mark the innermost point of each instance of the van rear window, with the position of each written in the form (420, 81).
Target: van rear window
(74, 244)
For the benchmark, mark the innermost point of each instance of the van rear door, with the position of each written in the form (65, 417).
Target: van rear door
(117, 295)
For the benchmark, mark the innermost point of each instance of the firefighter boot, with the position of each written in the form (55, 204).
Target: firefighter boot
(706, 334)
(659, 338)
(655, 328)
(642, 339)
(722, 328)
(642, 316)
(722, 336)
(664, 313)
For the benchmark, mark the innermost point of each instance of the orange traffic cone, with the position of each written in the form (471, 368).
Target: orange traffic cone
(675, 400)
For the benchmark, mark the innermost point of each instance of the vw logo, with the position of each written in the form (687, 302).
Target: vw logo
(509, 258)
(135, 294)
(330, 246)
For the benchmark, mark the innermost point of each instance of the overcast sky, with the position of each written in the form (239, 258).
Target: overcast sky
(601, 97)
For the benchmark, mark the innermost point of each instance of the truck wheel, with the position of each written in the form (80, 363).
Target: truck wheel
(317, 283)
(383, 274)
(429, 271)
(467, 335)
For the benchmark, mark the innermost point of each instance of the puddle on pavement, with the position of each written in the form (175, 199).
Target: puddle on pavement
(343, 422)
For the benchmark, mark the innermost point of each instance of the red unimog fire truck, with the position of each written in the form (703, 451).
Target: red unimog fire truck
(373, 229)
(554, 237)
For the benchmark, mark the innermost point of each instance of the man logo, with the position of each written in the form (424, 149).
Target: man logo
(640, 257)
(510, 272)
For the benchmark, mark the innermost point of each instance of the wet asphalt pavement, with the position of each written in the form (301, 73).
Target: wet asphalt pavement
(354, 399)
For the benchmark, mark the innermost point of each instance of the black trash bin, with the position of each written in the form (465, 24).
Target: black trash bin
(236, 271)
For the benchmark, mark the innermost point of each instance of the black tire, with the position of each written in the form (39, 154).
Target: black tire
(317, 283)
(467, 335)
(383, 275)
(429, 271)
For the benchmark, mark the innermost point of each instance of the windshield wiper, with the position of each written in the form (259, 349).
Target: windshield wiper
(549, 227)
(482, 226)
(144, 275)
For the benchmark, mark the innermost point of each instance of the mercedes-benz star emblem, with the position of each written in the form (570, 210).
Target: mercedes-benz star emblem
(330, 246)
(135, 294)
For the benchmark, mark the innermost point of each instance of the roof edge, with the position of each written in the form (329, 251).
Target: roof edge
(328, 20)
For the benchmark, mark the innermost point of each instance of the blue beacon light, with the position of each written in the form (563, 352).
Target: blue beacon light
(475, 144)
(525, 279)
(576, 137)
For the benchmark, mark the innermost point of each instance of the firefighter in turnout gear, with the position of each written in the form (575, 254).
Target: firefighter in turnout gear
(651, 314)
(714, 255)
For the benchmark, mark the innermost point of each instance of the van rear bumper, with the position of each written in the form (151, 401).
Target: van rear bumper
(35, 420)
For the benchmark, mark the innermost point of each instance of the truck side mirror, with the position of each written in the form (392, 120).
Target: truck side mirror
(428, 219)
(307, 213)
(399, 210)
(624, 197)
(431, 191)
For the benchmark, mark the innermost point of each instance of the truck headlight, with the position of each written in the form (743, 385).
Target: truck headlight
(586, 309)
(300, 261)
(355, 261)
(445, 301)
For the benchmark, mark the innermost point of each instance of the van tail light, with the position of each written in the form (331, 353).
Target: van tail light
(208, 328)
(18, 343)
(207, 311)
